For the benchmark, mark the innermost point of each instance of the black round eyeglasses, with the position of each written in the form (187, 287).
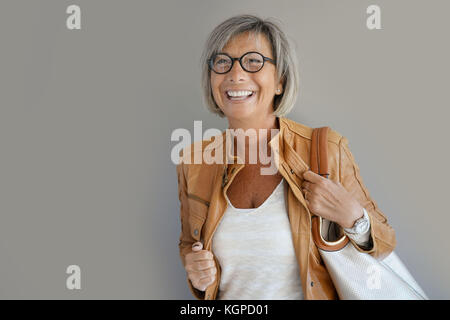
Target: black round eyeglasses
(251, 62)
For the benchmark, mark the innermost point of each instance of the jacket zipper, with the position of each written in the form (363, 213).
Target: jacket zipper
(193, 196)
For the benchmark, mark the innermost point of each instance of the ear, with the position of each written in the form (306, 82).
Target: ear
(280, 87)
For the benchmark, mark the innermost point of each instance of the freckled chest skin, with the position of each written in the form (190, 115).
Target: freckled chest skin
(250, 189)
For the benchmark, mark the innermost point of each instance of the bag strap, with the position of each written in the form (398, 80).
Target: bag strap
(319, 151)
(319, 165)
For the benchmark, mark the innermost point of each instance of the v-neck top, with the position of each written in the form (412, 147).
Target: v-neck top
(255, 251)
(254, 210)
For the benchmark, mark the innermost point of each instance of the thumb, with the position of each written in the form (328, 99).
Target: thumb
(197, 246)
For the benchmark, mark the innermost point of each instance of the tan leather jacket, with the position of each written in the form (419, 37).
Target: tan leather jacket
(202, 188)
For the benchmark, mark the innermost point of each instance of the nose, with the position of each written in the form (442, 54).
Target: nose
(236, 73)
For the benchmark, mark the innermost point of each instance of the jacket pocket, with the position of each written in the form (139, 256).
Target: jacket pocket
(196, 226)
(198, 210)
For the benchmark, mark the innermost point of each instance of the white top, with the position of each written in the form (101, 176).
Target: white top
(255, 251)
(256, 254)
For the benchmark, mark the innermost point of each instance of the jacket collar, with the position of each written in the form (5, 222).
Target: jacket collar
(282, 144)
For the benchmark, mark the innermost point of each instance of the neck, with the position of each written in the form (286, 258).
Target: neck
(267, 123)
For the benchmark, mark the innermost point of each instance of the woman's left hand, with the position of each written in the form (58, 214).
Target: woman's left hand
(330, 200)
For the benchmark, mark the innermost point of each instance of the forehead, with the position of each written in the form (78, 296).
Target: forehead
(248, 41)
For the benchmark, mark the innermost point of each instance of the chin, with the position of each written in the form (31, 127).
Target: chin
(240, 113)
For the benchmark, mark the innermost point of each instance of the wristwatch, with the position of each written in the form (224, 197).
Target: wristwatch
(361, 225)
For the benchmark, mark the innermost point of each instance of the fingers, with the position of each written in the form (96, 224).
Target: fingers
(202, 284)
(198, 275)
(202, 279)
(200, 265)
(197, 246)
(202, 273)
(308, 187)
(312, 176)
(199, 256)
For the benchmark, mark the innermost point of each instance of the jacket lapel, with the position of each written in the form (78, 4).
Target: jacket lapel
(292, 167)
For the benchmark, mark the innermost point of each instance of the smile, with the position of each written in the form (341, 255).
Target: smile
(239, 95)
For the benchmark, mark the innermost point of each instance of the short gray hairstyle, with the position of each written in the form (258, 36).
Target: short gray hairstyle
(283, 52)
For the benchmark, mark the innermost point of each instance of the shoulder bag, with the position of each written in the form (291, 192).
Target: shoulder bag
(356, 275)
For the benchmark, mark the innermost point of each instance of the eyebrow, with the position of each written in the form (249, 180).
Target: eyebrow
(223, 52)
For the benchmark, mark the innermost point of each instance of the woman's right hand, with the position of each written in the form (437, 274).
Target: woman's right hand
(200, 267)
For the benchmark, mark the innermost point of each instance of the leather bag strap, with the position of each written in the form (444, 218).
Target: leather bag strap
(319, 165)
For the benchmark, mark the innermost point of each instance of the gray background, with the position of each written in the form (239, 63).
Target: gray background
(86, 118)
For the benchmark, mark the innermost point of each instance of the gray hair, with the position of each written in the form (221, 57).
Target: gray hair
(282, 49)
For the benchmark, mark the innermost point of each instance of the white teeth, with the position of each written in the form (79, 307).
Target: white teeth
(239, 93)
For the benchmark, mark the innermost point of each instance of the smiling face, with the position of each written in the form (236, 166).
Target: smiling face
(261, 86)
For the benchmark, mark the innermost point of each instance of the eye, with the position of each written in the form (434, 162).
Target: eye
(221, 61)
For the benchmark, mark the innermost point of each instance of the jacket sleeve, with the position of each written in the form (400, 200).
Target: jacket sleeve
(186, 240)
(382, 235)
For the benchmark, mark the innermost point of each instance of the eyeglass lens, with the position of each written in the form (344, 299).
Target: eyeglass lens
(251, 62)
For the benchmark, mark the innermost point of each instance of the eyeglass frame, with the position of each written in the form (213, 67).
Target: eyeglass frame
(210, 61)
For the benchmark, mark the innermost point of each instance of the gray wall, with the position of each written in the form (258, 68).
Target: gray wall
(86, 117)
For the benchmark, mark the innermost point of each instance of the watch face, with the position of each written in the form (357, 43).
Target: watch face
(361, 225)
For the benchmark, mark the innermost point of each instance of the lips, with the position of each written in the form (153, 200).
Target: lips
(239, 98)
(239, 95)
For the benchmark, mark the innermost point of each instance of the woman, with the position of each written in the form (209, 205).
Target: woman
(247, 235)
